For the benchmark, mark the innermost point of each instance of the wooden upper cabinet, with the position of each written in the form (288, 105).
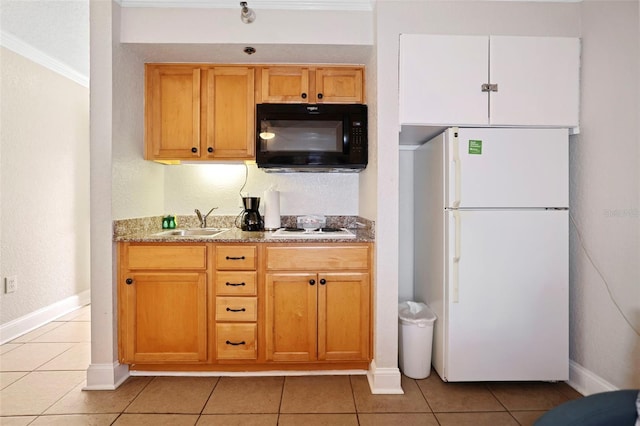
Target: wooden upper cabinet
(194, 112)
(294, 84)
(172, 112)
(285, 85)
(340, 85)
(229, 113)
(207, 111)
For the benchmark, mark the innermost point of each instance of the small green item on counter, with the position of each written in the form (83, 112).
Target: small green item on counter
(172, 222)
(165, 222)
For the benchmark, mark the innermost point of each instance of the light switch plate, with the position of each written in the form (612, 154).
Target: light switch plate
(11, 284)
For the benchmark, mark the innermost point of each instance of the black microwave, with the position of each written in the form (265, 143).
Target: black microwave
(311, 138)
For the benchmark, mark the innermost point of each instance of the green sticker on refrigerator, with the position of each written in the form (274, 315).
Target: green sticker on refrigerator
(475, 147)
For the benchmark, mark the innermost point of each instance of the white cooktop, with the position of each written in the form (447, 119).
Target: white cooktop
(317, 233)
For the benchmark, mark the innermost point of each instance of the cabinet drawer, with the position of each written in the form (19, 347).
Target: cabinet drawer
(318, 258)
(236, 257)
(235, 283)
(167, 257)
(236, 341)
(236, 308)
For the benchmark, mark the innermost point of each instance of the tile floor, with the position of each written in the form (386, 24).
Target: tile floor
(42, 374)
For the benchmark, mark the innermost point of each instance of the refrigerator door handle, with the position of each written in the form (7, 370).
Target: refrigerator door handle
(455, 293)
(457, 170)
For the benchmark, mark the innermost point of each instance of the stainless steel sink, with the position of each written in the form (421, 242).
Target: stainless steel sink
(196, 232)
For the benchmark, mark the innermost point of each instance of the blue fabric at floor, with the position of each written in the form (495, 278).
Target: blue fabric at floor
(616, 408)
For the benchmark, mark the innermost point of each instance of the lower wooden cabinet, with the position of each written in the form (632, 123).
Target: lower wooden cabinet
(318, 303)
(163, 305)
(199, 306)
(166, 318)
(236, 302)
(318, 316)
(236, 341)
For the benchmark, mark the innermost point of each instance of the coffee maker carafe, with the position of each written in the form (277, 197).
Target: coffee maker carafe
(250, 219)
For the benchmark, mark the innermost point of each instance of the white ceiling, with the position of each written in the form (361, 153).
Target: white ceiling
(60, 28)
(257, 4)
(57, 28)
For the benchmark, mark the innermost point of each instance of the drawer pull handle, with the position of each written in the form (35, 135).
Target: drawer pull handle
(236, 310)
(234, 284)
(235, 258)
(236, 344)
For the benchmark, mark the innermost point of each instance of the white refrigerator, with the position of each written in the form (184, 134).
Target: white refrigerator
(491, 252)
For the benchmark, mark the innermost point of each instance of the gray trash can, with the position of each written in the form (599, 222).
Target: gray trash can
(415, 332)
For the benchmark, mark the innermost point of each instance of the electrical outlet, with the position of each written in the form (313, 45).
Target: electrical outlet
(11, 284)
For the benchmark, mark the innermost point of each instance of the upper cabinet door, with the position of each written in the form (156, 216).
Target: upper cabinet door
(538, 81)
(441, 78)
(230, 113)
(339, 85)
(172, 117)
(531, 81)
(285, 85)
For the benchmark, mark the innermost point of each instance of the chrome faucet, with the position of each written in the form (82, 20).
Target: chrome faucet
(203, 219)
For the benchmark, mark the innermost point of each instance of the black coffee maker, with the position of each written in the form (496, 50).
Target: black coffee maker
(250, 219)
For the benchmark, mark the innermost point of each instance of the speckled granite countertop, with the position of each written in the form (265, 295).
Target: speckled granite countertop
(146, 230)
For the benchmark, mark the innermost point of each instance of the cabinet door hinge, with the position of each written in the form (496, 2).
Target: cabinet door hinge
(489, 87)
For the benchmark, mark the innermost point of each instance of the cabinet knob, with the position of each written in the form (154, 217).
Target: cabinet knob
(209, 150)
(303, 96)
(312, 282)
(129, 281)
(319, 95)
(323, 281)
(194, 149)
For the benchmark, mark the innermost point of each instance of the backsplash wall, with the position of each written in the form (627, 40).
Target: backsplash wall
(203, 186)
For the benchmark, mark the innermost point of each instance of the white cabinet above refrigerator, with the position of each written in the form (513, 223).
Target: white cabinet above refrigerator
(489, 80)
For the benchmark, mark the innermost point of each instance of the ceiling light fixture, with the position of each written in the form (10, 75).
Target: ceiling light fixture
(247, 15)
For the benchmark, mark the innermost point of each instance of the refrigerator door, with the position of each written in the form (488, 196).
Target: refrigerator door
(506, 307)
(499, 168)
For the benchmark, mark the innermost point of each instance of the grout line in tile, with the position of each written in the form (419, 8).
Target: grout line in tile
(424, 396)
(17, 345)
(36, 336)
(498, 399)
(209, 397)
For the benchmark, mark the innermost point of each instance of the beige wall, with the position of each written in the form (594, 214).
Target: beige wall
(605, 200)
(44, 152)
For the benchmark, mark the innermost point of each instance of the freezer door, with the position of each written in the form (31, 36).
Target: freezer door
(507, 168)
(507, 296)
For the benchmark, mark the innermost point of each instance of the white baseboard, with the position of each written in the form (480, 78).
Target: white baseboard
(384, 380)
(586, 382)
(26, 323)
(106, 376)
(269, 373)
